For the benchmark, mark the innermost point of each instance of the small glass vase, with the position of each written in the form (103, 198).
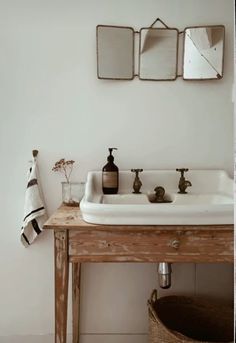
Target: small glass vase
(72, 193)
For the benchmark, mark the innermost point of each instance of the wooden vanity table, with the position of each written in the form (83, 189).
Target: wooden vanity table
(76, 241)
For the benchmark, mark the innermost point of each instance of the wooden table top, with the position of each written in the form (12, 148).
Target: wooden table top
(70, 218)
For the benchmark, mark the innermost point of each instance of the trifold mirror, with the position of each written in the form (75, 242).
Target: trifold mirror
(203, 51)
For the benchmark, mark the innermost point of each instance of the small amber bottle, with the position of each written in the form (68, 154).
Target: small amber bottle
(110, 175)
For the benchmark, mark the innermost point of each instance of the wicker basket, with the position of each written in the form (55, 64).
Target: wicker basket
(180, 319)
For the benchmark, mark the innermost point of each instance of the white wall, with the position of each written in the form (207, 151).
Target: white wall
(50, 99)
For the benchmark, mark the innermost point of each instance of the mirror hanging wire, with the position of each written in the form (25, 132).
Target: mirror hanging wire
(161, 21)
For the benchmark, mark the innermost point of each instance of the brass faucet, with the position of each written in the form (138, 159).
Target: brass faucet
(183, 183)
(137, 182)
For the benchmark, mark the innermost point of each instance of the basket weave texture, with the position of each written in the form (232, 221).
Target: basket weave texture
(181, 319)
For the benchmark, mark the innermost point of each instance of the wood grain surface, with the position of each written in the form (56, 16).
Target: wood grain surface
(77, 241)
(76, 273)
(61, 285)
(151, 246)
(142, 243)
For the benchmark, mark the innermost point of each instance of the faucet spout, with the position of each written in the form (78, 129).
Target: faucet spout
(188, 183)
(183, 184)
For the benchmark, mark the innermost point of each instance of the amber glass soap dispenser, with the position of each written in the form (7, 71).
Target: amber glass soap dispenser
(110, 175)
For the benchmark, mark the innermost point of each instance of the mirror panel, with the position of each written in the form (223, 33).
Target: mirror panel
(158, 53)
(115, 52)
(203, 52)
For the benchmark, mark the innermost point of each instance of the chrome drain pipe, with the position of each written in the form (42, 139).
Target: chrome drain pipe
(164, 275)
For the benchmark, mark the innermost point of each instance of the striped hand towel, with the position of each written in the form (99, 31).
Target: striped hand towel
(34, 210)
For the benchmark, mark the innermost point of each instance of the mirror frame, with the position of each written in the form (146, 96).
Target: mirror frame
(203, 79)
(177, 52)
(179, 58)
(115, 78)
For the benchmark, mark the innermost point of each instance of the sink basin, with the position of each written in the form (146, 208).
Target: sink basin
(128, 199)
(208, 201)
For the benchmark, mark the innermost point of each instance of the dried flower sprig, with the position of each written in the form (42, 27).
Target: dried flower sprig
(64, 167)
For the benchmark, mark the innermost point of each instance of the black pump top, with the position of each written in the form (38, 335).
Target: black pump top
(110, 158)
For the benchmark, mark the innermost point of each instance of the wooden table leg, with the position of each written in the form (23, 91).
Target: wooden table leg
(61, 284)
(76, 273)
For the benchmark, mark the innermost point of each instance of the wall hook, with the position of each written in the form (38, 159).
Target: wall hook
(35, 153)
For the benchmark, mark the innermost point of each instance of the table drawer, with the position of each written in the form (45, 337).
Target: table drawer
(151, 246)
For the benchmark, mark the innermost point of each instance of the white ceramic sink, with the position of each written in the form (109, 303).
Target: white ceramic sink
(208, 201)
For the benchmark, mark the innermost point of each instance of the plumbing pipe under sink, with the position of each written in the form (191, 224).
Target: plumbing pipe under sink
(164, 275)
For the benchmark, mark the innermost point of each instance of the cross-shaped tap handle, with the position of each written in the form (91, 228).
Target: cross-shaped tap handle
(182, 170)
(136, 171)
